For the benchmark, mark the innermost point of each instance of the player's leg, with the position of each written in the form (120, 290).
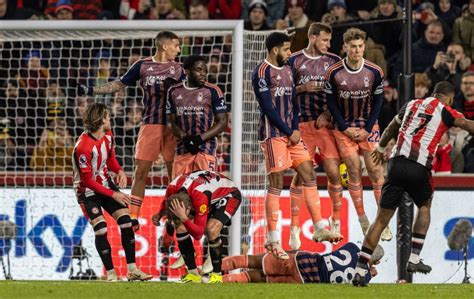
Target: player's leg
(245, 277)
(186, 248)
(168, 148)
(296, 199)
(242, 261)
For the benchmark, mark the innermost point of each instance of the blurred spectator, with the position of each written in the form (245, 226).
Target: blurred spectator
(9, 11)
(449, 66)
(315, 9)
(388, 34)
(375, 53)
(337, 15)
(361, 8)
(442, 160)
(389, 107)
(457, 139)
(223, 153)
(126, 133)
(15, 108)
(275, 10)
(198, 10)
(64, 11)
(12, 157)
(447, 12)
(463, 30)
(54, 150)
(465, 101)
(299, 20)
(468, 153)
(166, 11)
(218, 73)
(87, 10)
(257, 20)
(422, 85)
(104, 72)
(117, 107)
(75, 115)
(33, 76)
(224, 9)
(426, 15)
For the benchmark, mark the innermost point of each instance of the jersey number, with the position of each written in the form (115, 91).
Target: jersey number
(424, 119)
(340, 276)
(374, 136)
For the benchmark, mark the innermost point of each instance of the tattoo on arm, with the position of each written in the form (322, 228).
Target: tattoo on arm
(108, 88)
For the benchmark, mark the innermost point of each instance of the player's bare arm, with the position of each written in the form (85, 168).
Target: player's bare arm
(107, 88)
(177, 131)
(390, 132)
(219, 126)
(324, 119)
(465, 124)
(295, 137)
(121, 179)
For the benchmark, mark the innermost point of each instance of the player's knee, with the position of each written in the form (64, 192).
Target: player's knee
(216, 242)
(124, 221)
(213, 230)
(100, 228)
(276, 180)
(141, 172)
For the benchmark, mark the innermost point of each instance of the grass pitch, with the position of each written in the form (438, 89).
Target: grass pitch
(133, 290)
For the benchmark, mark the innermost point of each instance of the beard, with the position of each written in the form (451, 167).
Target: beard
(280, 61)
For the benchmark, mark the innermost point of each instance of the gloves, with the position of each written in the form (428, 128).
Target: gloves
(83, 90)
(192, 143)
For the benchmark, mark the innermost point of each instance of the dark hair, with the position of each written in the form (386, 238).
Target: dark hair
(444, 88)
(317, 27)
(189, 62)
(276, 39)
(94, 116)
(182, 197)
(162, 36)
(353, 34)
(467, 74)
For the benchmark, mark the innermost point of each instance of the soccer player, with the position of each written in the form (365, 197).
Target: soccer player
(93, 159)
(309, 68)
(154, 137)
(198, 202)
(302, 267)
(354, 92)
(420, 124)
(197, 114)
(280, 140)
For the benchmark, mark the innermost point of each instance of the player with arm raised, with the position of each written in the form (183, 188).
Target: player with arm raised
(280, 140)
(419, 125)
(309, 68)
(93, 158)
(354, 93)
(154, 136)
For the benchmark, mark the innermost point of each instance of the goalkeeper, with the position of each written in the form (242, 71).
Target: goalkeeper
(153, 74)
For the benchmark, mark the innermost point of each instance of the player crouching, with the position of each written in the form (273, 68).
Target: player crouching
(93, 157)
(198, 202)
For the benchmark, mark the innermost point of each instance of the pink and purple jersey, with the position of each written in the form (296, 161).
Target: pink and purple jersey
(354, 97)
(152, 76)
(307, 68)
(195, 110)
(275, 92)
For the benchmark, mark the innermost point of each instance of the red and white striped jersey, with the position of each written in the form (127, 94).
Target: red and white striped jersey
(423, 123)
(92, 160)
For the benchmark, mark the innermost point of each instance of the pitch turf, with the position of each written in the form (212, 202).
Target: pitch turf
(153, 290)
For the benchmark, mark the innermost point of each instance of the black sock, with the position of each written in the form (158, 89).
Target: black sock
(215, 249)
(128, 244)
(417, 241)
(186, 248)
(364, 257)
(105, 252)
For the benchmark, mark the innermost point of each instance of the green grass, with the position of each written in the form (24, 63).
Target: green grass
(155, 290)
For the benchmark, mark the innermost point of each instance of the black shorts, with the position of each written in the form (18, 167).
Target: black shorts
(93, 204)
(405, 175)
(224, 208)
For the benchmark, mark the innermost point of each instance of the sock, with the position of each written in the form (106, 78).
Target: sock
(131, 267)
(105, 252)
(355, 191)
(335, 192)
(128, 244)
(296, 198)
(215, 250)
(193, 271)
(239, 278)
(312, 201)
(111, 272)
(186, 248)
(273, 236)
(272, 207)
(363, 260)
(235, 262)
(377, 191)
(417, 241)
(135, 206)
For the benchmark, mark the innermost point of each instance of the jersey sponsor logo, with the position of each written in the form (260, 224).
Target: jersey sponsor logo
(189, 110)
(95, 210)
(281, 91)
(263, 85)
(202, 209)
(355, 94)
(82, 161)
(308, 78)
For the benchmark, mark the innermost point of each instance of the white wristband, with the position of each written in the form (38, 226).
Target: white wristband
(380, 149)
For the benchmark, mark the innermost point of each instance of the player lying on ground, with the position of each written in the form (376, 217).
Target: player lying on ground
(302, 267)
(198, 202)
(420, 124)
(93, 157)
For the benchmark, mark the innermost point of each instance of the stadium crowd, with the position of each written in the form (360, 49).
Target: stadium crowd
(41, 114)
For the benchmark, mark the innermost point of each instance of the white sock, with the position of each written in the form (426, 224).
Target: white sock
(321, 224)
(363, 218)
(273, 236)
(131, 267)
(193, 271)
(414, 258)
(111, 272)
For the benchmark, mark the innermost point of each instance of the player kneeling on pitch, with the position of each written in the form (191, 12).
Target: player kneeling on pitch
(302, 266)
(93, 157)
(198, 202)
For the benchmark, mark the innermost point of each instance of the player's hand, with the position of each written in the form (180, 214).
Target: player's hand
(83, 90)
(192, 143)
(179, 210)
(121, 179)
(373, 271)
(377, 157)
(324, 119)
(351, 132)
(361, 135)
(135, 225)
(294, 138)
(121, 198)
(156, 218)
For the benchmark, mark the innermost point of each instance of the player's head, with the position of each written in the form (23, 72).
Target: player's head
(184, 199)
(278, 45)
(354, 43)
(444, 91)
(196, 70)
(319, 36)
(96, 117)
(168, 43)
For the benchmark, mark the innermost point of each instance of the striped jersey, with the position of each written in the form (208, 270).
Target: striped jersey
(275, 92)
(335, 267)
(423, 123)
(307, 68)
(151, 76)
(353, 93)
(195, 110)
(92, 159)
